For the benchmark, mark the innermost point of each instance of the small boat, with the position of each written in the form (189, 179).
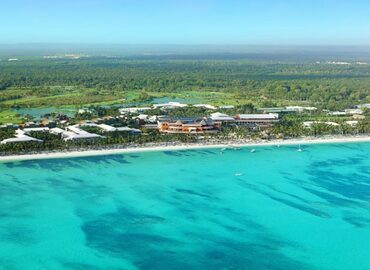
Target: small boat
(238, 174)
(300, 149)
(223, 149)
(253, 150)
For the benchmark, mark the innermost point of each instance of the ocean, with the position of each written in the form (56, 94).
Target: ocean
(274, 208)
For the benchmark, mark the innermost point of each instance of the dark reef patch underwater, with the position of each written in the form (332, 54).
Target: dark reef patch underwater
(273, 209)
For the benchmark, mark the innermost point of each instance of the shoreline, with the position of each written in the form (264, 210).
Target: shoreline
(191, 146)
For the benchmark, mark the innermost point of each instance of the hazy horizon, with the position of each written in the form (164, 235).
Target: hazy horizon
(210, 51)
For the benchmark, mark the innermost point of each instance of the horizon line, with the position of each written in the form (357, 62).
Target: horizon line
(184, 44)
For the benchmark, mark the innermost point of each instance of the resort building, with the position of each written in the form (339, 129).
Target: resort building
(169, 105)
(257, 121)
(352, 123)
(20, 136)
(75, 133)
(134, 110)
(205, 106)
(56, 131)
(309, 124)
(84, 110)
(277, 110)
(144, 118)
(129, 130)
(189, 126)
(353, 111)
(226, 107)
(300, 109)
(337, 113)
(222, 118)
(358, 116)
(108, 128)
(37, 129)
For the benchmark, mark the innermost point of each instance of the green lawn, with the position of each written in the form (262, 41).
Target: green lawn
(9, 116)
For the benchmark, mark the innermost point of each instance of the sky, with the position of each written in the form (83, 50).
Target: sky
(252, 22)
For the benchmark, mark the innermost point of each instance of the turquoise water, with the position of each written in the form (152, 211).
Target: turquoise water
(276, 208)
(38, 113)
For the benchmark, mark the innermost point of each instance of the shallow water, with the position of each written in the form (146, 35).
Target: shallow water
(276, 208)
(38, 113)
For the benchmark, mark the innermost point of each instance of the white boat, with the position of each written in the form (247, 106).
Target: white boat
(300, 149)
(238, 174)
(253, 150)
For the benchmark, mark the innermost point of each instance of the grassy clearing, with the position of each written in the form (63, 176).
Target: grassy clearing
(9, 116)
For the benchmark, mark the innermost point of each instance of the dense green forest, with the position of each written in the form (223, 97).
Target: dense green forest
(37, 82)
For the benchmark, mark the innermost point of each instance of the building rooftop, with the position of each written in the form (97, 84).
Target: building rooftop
(36, 129)
(128, 129)
(206, 106)
(56, 130)
(221, 117)
(271, 116)
(170, 105)
(23, 138)
(107, 128)
(227, 107)
(134, 109)
(20, 137)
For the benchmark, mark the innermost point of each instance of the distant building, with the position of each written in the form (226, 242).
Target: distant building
(287, 109)
(221, 117)
(170, 105)
(134, 110)
(276, 110)
(85, 110)
(75, 133)
(29, 124)
(205, 106)
(358, 116)
(257, 120)
(309, 124)
(352, 123)
(353, 111)
(129, 130)
(108, 128)
(226, 107)
(36, 129)
(189, 126)
(337, 113)
(56, 131)
(300, 108)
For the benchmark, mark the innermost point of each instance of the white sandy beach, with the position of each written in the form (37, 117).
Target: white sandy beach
(71, 154)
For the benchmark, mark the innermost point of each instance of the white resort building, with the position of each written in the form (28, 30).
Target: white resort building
(20, 136)
(169, 105)
(257, 120)
(221, 117)
(75, 133)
